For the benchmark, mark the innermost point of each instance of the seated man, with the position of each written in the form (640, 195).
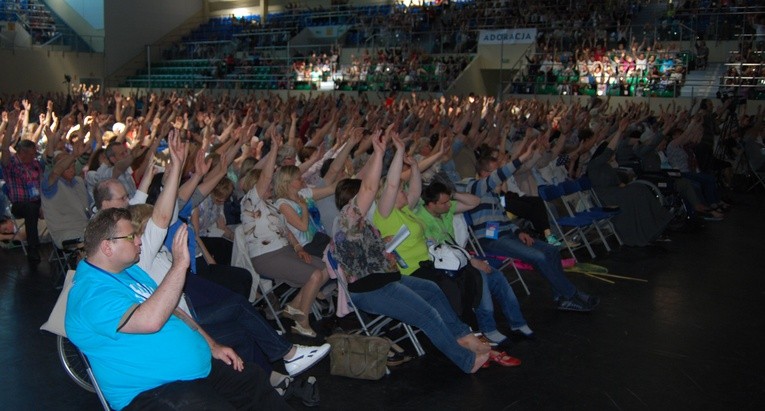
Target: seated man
(119, 159)
(64, 200)
(499, 236)
(436, 212)
(143, 351)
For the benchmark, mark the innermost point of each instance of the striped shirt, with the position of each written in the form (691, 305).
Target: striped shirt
(490, 209)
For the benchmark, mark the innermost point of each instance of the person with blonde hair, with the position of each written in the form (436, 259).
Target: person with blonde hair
(297, 203)
(274, 250)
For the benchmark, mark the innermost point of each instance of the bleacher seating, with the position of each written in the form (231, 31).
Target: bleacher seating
(33, 15)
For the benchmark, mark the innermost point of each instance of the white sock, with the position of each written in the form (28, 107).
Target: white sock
(495, 336)
(525, 330)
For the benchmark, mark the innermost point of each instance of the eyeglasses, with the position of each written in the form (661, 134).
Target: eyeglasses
(129, 237)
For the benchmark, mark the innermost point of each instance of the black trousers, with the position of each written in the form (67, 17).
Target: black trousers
(529, 207)
(235, 279)
(224, 389)
(30, 212)
(220, 248)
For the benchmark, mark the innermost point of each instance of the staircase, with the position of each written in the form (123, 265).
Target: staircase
(66, 38)
(703, 83)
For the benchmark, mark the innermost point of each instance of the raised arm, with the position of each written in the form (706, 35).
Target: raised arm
(9, 126)
(371, 181)
(465, 201)
(264, 181)
(165, 205)
(393, 181)
(415, 183)
(65, 163)
(201, 167)
(152, 314)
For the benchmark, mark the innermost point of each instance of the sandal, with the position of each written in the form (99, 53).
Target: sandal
(501, 358)
(307, 332)
(485, 340)
(292, 313)
(397, 355)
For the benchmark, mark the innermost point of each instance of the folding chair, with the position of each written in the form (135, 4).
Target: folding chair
(78, 368)
(550, 193)
(600, 217)
(376, 325)
(17, 234)
(759, 176)
(96, 387)
(65, 256)
(498, 262)
(267, 294)
(261, 286)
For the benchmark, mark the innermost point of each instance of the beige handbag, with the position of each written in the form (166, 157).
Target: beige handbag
(358, 356)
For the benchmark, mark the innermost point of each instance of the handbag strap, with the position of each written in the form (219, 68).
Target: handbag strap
(453, 244)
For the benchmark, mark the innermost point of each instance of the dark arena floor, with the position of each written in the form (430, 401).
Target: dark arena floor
(690, 338)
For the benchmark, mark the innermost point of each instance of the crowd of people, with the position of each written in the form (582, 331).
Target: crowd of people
(34, 16)
(744, 77)
(163, 189)
(595, 49)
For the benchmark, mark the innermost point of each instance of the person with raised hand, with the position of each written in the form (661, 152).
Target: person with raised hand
(144, 352)
(374, 281)
(273, 249)
(22, 172)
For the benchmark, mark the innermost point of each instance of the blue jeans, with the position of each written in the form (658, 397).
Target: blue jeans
(227, 319)
(707, 184)
(421, 303)
(496, 288)
(544, 257)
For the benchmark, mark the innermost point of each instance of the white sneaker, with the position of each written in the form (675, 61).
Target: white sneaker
(305, 358)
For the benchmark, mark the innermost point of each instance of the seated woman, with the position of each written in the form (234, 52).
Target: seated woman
(274, 251)
(376, 285)
(681, 155)
(642, 218)
(297, 203)
(465, 294)
(192, 193)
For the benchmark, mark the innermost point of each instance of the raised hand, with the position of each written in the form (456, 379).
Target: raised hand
(624, 123)
(356, 135)
(178, 149)
(397, 142)
(201, 163)
(180, 249)
(378, 142)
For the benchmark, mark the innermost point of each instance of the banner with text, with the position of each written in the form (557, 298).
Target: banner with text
(508, 36)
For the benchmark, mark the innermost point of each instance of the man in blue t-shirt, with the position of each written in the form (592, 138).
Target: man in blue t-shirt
(143, 351)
